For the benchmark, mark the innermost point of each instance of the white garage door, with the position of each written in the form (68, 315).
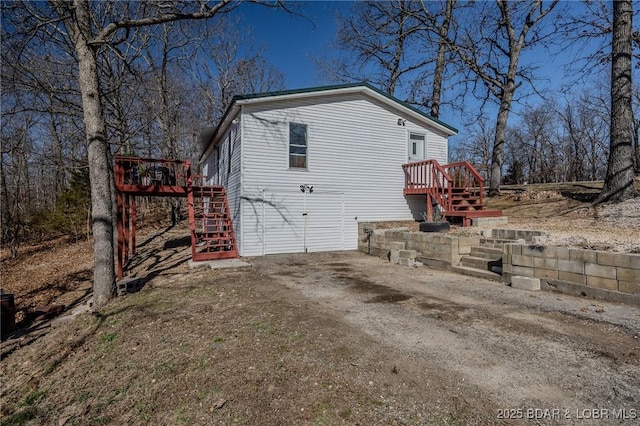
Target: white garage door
(300, 222)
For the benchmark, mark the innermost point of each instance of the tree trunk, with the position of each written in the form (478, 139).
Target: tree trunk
(440, 60)
(618, 184)
(99, 165)
(635, 134)
(5, 223)
(498, 141)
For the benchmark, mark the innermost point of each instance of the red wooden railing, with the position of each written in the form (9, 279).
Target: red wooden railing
(134, 173)
(442, 184)
(429, 177)
(465, 177)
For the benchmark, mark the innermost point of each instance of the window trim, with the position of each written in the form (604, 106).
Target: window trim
(423, 136)
(306, 147)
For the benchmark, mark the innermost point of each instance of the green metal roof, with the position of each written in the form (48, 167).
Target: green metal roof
(343, 86)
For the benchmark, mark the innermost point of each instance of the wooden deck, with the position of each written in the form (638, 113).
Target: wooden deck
(457, 188)
(152, 177)
(212, 235)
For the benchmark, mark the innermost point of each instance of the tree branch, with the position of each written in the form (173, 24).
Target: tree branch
(204, 13)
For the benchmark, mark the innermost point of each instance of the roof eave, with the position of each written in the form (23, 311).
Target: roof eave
(230, 115)
(351, 88)
(365, 88)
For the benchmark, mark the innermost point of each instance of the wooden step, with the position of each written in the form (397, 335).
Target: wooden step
(211, 225)
(464, 195)
(476, 213)
(460, 204)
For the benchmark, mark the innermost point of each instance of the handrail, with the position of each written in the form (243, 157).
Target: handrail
(148, 159)
(468, 166)
(466, 177)
(431, 177)
(151, 172)
(444, 185)
(416, 176)
(439, 181)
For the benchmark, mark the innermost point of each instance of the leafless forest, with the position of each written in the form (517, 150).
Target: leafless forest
(83, 81)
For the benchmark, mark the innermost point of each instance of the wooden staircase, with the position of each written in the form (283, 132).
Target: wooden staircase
(456, 189)
(212, 234)
(210, 221)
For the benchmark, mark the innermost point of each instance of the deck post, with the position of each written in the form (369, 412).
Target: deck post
(191, 209)
(429, 208)
(133, 225)
(127, 224)
(119, 232)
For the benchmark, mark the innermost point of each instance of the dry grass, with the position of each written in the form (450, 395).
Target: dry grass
(230, 346)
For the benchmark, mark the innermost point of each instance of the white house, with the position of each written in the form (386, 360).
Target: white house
(302, 167)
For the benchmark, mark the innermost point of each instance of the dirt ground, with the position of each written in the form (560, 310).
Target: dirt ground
(569, 221)
(325, 338)
(329, 338)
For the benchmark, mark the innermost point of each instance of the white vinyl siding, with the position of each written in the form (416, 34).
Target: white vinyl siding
(299, 222)
(437, 148)
(222, 168)
(357, 151)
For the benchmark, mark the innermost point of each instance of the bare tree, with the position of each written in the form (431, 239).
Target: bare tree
(636, 126)
(490, 48)
(585, 126)
(536, 144)
(428, 87)
(476, 148)
(90, 29)
(618, 184)
(39, 134)
(227, 66)
(379, 40)
(15, 177)
(443, 35)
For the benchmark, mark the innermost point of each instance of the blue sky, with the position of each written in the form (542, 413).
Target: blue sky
(290, 42)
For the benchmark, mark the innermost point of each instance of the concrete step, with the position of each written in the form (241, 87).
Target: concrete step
(480, 262)
(465, 270)
(487, 252)
(498, 246)
(433, 263)
(484, 241)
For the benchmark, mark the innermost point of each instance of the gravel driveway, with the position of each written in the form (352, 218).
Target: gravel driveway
(323, 339)
(530, 354)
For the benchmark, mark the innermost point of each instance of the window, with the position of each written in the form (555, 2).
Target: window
(297, 145)
(416, 147)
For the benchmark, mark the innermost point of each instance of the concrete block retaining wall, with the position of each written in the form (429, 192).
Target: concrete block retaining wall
(514, 234)
(600, 274)
(433, 249)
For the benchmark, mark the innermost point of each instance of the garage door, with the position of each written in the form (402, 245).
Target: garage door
(300, 222)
